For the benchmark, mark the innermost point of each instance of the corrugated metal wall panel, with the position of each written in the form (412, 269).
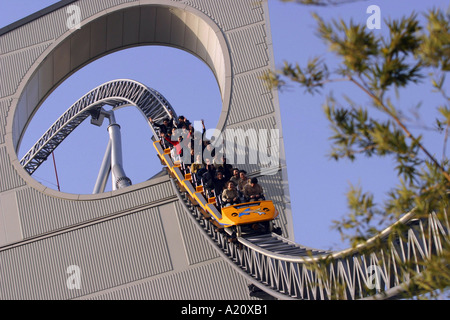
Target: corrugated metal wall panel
(56, 213)
(197, 248)
(282, 221)
(212, 281)
(9, 179)
(14, 66)
(272, 186)
(35, 32)
(266, 123)
(249, 48)
(4, 108)
(52, 25)
(250, 90)
(109, 254)
(230, 14)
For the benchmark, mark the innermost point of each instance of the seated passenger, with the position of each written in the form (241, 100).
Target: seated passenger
(208, 183)
(219, 183)
(209, 151)
(182, 121)
(243, 180)
(253, 191)
(165, 127)
(192, 152)
(174, 155)
(197, 138)
(179, 145)
(197, 165)
(230, 195)
(163, 141)
(210, 167)
(235, 177)
(228, 169)
(221, 165)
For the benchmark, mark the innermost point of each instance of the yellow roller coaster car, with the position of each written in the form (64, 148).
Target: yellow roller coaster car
(249, 212)
(243, 214)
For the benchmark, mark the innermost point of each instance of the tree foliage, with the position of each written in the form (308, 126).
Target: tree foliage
(378, 66)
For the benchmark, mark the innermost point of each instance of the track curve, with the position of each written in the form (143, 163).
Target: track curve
(117, 94)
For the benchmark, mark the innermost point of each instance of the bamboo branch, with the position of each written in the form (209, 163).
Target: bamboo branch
(399, 122)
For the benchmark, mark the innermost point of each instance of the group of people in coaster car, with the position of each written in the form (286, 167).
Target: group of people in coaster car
(220, 180)
(251, 191)
(171, 127)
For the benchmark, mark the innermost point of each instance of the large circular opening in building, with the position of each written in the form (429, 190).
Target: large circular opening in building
(184, 80)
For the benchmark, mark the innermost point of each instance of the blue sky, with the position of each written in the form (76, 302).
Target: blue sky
(317, 184)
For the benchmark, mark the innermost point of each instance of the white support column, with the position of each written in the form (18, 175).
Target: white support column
(118, 176)
(104, 171)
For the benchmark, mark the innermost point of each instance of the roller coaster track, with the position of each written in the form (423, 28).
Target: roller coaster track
(277, 266)
(117, 94)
